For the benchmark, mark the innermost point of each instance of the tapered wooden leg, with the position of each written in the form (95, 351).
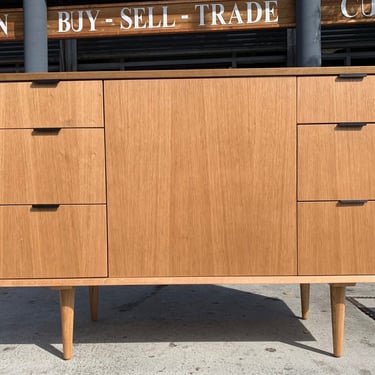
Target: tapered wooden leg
(305, 300)
(94, 300)
(67, 320)
(338, 317)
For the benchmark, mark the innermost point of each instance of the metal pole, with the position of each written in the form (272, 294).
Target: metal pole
(309, 49)
(35, 35)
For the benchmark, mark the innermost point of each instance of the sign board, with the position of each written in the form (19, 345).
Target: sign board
(155, 17)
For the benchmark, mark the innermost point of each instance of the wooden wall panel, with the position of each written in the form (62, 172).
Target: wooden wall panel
(66, 104)
(201, 177)
(68, 242)
(336, 239)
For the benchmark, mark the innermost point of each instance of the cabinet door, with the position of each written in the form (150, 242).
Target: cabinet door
(201, 177)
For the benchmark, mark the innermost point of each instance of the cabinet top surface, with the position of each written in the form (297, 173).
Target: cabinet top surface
(204, 73)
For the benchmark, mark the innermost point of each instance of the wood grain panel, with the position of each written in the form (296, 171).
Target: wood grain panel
(332, 100)
(66, 104)
(187, 280)
(191, 73)
(336, 239)
(68, 242)
(201, 177)
(67, 167)
(336, 163)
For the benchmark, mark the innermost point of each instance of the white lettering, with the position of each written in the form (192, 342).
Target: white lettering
(78, 28)
(126, 18)
(236, 15)
(73, 20)
(165, 18)
(270, 11)
(201, 13)
(372, 12)
(250, 5)
(92, 19)
(4, 24)
(217, 14)
(64, 21)
(344, 10)
(138, 17)
(151, 19)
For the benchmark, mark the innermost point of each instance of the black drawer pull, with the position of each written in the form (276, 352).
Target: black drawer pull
(45, 207)
(353, 76)
(46, 131)
(351, 124)
(47, 81)
(353, 202)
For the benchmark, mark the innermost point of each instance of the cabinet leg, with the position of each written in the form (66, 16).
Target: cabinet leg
(305, 300)
(67, 320)
(94, 300)
(338, 317)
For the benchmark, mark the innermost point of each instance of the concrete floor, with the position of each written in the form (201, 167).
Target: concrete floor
(215, 329)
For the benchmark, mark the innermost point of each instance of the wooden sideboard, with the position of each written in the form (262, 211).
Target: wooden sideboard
(188, 177)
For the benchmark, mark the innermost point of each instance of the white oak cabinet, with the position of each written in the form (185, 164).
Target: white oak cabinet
(196, 177)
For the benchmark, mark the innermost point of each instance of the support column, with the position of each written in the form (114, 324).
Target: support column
(35, 36)
(309, 50)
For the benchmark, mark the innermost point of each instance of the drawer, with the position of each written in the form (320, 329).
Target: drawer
(336, 239)
(69, 241)
(52, 167)
(333, 99)
(336, 162)
(65, 104)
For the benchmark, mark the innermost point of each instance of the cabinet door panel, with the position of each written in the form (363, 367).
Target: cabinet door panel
(336, 239)
(201, 177)
(53, 243)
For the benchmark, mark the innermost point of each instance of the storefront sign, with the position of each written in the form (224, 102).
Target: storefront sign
(180, 16)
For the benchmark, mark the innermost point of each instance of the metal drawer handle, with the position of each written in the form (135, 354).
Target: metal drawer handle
(353, 202)
(351, 124)
(46, 131)
(353, 76)
(49, 82)
(45, 207)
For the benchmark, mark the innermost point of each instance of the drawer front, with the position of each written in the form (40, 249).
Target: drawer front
(66, 104)
(332, 99)
(66, 242)
(336, 239)
(336, 163)
(64, 167)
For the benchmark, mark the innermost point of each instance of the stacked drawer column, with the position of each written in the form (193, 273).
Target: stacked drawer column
(336, 183)
(52, 204)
